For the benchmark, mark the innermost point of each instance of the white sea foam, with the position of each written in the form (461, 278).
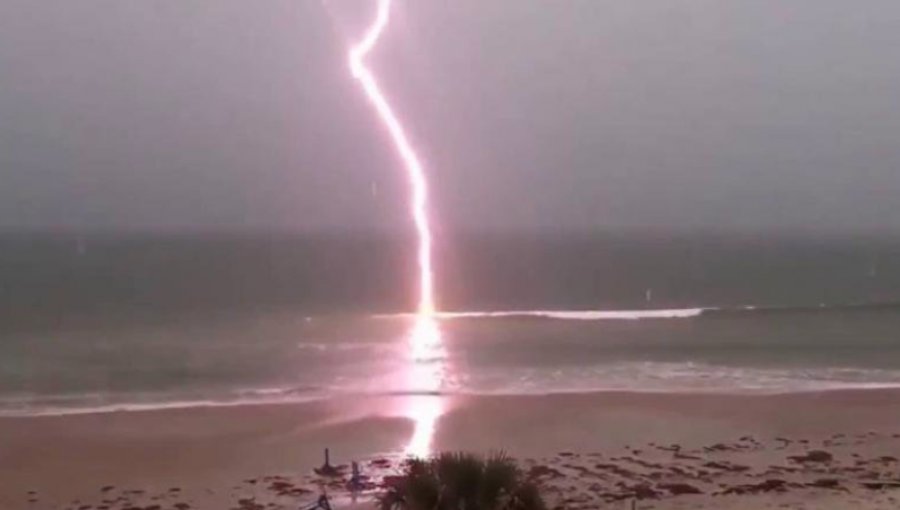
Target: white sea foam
(675, 377)
(94, 403)
(582, 315)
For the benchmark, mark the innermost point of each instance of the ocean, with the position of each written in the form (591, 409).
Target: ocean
(140, 321)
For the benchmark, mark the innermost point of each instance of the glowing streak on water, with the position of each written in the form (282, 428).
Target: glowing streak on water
(425, 378)
(413, 167)
(426, 349)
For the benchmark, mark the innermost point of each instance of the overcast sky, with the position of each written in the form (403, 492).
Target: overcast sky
(727, 114)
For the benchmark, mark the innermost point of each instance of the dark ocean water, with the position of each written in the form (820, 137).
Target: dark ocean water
(102, 321)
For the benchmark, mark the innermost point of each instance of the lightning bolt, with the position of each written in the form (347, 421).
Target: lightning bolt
(426, 371)
(414, 170)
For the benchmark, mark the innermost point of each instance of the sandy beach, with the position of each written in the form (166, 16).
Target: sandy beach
(805, 450)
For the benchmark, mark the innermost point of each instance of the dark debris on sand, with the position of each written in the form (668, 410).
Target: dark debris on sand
(676, 471)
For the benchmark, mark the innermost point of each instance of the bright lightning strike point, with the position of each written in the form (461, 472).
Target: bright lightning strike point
(414, 168)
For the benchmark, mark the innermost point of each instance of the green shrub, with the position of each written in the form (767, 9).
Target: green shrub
(462, 481)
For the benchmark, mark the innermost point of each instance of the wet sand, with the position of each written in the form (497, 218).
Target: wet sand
(588, 450)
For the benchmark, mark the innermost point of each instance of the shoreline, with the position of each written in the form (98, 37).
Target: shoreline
(850, 389)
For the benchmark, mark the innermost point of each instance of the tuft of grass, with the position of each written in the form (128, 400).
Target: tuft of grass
(462, 481)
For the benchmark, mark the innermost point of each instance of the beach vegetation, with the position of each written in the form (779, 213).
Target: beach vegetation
(457, 481)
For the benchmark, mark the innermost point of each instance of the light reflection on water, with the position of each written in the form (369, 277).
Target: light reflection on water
(425, 378)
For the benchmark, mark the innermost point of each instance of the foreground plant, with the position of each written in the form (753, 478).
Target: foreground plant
(462, 481)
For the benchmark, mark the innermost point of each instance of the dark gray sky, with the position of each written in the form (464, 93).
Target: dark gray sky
(723, 114)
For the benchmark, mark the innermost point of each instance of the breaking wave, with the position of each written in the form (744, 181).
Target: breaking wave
(665, 313)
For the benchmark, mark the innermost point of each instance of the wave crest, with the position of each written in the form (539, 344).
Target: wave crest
(662, 313)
